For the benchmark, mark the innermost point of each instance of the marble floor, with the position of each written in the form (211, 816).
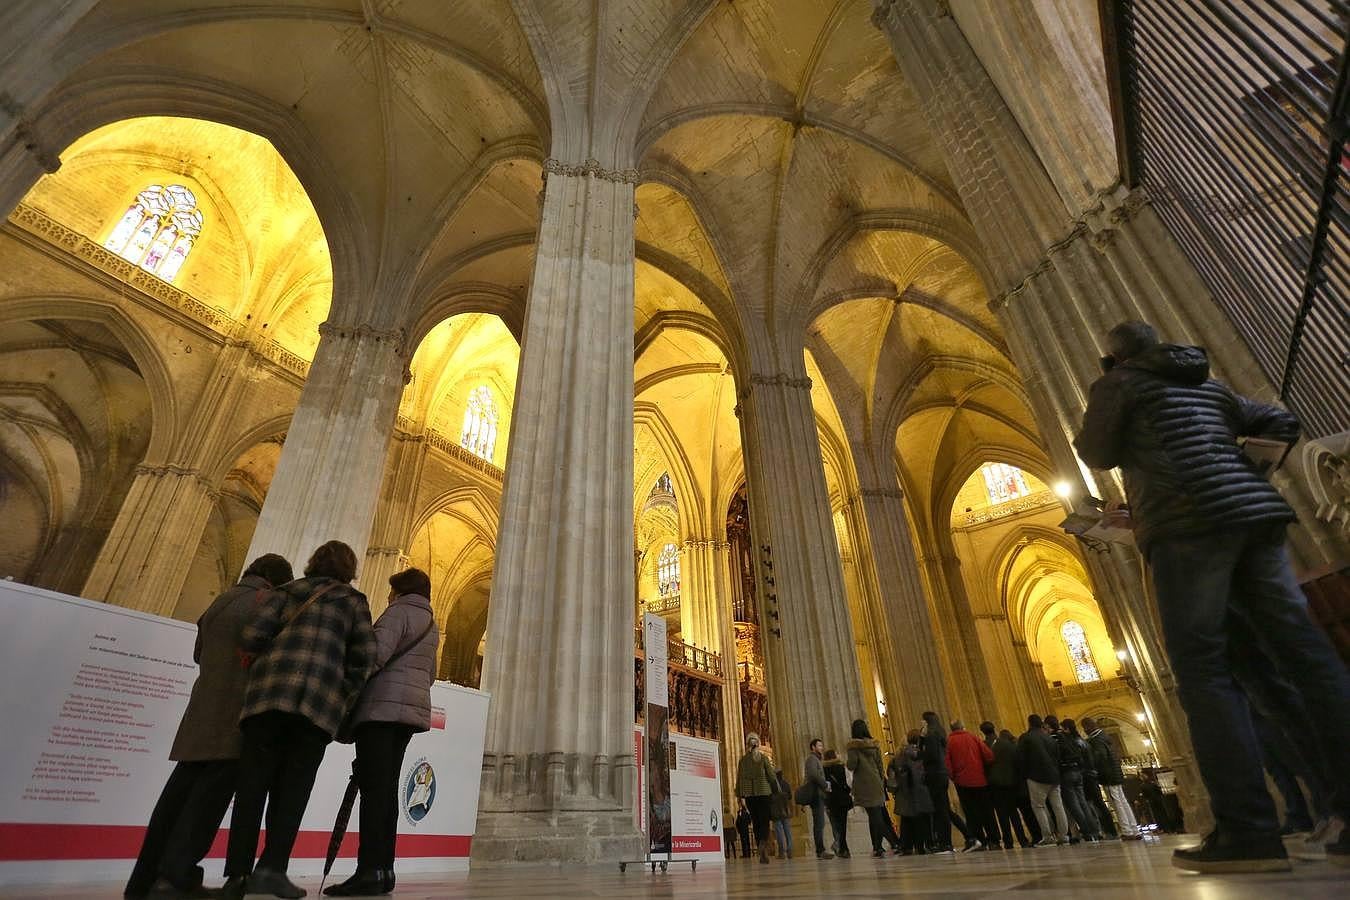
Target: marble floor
(1103, 872)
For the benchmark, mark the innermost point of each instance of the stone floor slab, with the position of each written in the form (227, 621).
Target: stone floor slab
(1110, 871)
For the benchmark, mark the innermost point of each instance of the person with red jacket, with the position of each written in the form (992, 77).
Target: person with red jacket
(967, 757)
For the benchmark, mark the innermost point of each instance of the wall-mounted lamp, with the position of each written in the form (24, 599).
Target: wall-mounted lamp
(1064, 489)
(1122, 655)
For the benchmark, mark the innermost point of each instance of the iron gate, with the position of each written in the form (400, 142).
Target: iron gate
(1234, 116)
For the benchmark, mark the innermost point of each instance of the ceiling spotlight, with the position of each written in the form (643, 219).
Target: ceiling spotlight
(1064, 489)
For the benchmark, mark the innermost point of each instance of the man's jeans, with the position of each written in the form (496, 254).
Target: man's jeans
(1041, 794)
(818, 823)
(1071, 790)
(1244, 572)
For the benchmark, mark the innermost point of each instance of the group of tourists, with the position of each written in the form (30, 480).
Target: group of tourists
(286, 667)
(1042, 788)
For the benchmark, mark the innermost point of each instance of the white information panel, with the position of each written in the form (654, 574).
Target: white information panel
(90, 698)
(695, 793)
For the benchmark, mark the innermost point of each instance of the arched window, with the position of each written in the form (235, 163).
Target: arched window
(1080, 654)
(158, 230)
(663, 485)
(668, 571)
(480, 423)
(1003, 482)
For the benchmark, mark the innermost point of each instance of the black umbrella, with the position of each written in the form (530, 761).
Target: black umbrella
(344, 815)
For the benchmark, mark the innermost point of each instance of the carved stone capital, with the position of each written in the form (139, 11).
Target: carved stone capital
(778, 379)
(1134, 201)
(591, 168)
(25, 135)
(165, 469)
(781, 379)
(396, 338)
(879, 492)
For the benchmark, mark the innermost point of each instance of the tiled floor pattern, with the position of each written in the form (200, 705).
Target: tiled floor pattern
(1104, 872)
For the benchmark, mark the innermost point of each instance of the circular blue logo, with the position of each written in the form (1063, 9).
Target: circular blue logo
(419, 791)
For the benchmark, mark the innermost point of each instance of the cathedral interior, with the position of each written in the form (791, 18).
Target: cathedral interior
(772, 317)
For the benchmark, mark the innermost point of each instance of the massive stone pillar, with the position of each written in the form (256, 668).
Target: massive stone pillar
(558, 772)
(811, 663)
(150, 547)
(327, 482)
(895, 605)
(1055, 299)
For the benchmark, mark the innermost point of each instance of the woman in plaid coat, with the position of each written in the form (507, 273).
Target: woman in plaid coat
(315, 648)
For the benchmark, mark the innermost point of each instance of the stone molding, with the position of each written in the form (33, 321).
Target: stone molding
(405, 429)
(178, 471)
(873, 493)
(396, 338)
(1037, 501)
(706, 545)
(779, 379)
(591, 168)
(26, 137)
(1092, 223)
(152, 288)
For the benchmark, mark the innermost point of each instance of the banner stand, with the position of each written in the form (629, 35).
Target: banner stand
(656, 771)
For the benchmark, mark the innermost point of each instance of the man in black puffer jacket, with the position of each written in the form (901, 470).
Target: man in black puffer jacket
(1212, 530)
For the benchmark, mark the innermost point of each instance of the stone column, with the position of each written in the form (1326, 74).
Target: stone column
(1048, 283)
(145, 560)
(327, 482)
(706, 621)
(1013, 697)
(150, 546)
(558, 772)
(702, 605)
(895, 605)
(812, 667)
(391, 532)
(862, 645)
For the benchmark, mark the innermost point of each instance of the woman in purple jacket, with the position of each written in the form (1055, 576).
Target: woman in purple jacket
(395, 705)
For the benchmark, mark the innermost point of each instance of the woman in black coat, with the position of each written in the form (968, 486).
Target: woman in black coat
(933, 754)
(838, 801)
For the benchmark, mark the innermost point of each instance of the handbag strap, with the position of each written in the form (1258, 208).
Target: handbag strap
(398, 654)
(309, 601)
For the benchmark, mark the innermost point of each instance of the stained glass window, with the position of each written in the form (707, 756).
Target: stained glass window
(1080, 654)
(158, 230)
(668, 570)
(480, 423)
(1003, 482)
(663, 485)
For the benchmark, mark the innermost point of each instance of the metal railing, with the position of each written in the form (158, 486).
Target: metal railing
(1233, 116)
